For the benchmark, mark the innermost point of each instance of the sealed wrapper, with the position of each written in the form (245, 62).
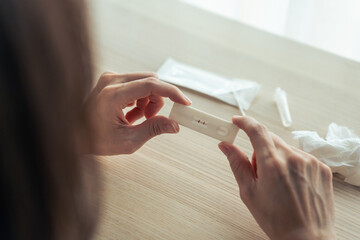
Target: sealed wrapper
(236, 92)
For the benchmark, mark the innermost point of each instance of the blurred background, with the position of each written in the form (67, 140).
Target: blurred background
(331, 25)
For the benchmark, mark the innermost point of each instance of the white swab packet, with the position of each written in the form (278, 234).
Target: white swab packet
(236, 92)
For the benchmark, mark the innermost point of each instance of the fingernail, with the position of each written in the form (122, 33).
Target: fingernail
(187, 99)
(172, 128)
(224, 148)
(235, 117)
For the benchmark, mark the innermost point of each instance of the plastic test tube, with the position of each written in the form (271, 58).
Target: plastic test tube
(280, 99)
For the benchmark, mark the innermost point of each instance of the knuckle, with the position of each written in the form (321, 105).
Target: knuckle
(277, 165)
(270, 155)
(246, 194)
(151, 81)
(258, 129)
(107, 91)
(313, 161)
(107, 73)
(325, 171)
(153, 75)
(105, 78)
(296, 161)
(154, 129)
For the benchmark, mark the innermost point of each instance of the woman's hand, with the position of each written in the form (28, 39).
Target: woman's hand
(112, 131)
(288, 191)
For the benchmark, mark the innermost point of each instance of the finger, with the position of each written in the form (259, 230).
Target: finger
(138, 111)
(260, 137)
(155, 104)
(240, 165)
(302, 153)
(152, 127)
(110, 78)
(128, 77)
(152, 86)
(103, 81)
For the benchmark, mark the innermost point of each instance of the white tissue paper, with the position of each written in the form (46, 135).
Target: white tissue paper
(340, 150)
(237, 92)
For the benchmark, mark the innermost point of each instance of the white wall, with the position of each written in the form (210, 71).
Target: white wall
(332, 25)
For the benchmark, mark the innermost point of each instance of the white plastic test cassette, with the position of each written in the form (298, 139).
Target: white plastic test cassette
(204, 123)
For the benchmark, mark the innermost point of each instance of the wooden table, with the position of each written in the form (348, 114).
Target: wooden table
(180, 186)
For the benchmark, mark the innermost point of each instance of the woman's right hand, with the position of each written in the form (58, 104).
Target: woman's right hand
(113, 131)
(289, 192)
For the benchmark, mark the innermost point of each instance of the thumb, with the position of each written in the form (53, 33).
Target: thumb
(240, 166)
(152, 127)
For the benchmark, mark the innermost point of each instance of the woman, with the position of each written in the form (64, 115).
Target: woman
(50, 116)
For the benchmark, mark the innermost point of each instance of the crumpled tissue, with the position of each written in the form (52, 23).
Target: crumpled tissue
(237, 92)
(340, 150)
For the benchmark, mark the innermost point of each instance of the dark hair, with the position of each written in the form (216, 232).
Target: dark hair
(45, 75)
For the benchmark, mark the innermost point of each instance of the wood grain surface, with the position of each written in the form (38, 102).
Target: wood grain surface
(180, 186)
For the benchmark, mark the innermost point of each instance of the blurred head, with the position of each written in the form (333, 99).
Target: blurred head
(45, 75)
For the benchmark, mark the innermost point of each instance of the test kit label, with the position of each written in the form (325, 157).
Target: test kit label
(204, 123)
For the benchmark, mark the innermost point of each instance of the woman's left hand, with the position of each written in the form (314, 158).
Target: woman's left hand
(112, 131)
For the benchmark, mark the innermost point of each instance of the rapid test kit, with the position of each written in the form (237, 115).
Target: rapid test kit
(204, 123)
